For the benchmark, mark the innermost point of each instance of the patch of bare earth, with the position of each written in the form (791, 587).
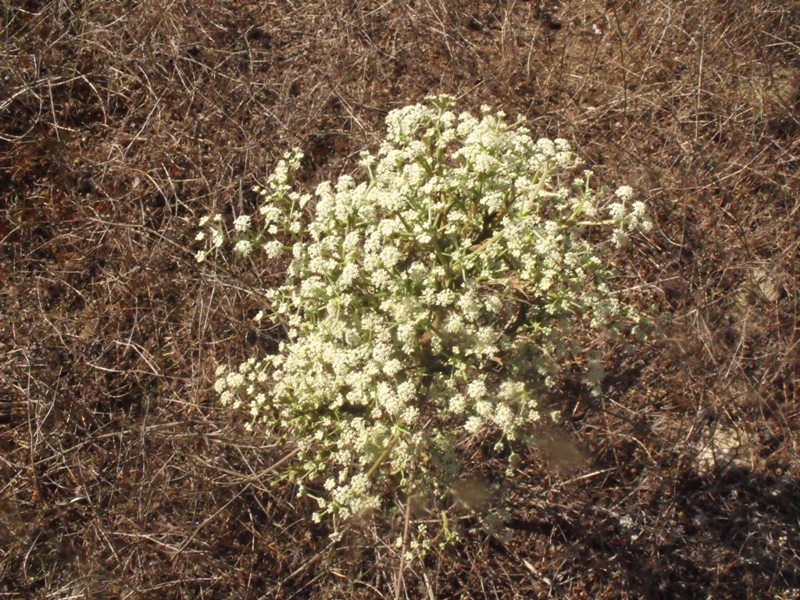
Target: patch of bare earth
(122, 123)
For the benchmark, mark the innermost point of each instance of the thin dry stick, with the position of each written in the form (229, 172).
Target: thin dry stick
(406, 524)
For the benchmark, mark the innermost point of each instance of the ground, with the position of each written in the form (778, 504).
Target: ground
(121, 123)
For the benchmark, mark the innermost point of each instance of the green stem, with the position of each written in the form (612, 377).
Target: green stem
(384, 455)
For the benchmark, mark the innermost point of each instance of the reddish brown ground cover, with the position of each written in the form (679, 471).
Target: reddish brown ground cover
(123, 122)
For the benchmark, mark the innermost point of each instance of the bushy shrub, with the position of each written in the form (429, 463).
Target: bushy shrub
(433, 302)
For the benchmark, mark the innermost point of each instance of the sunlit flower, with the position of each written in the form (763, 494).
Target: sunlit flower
(242, 223)
(243, 247)
(419, 297)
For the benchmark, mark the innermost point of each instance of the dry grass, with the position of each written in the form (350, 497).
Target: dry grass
(120, 123)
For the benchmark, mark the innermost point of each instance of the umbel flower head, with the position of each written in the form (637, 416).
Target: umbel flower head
(429, 302)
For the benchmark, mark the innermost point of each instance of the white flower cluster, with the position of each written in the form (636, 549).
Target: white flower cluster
(279, 215)
(627, 217)
(433, 300)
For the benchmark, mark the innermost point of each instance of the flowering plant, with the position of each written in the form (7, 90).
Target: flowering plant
(433, 302)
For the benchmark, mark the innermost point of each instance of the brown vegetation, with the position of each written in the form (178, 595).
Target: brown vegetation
(122, 122)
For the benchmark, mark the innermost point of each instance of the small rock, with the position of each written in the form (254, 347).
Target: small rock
(766, 283)
(721, 448)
